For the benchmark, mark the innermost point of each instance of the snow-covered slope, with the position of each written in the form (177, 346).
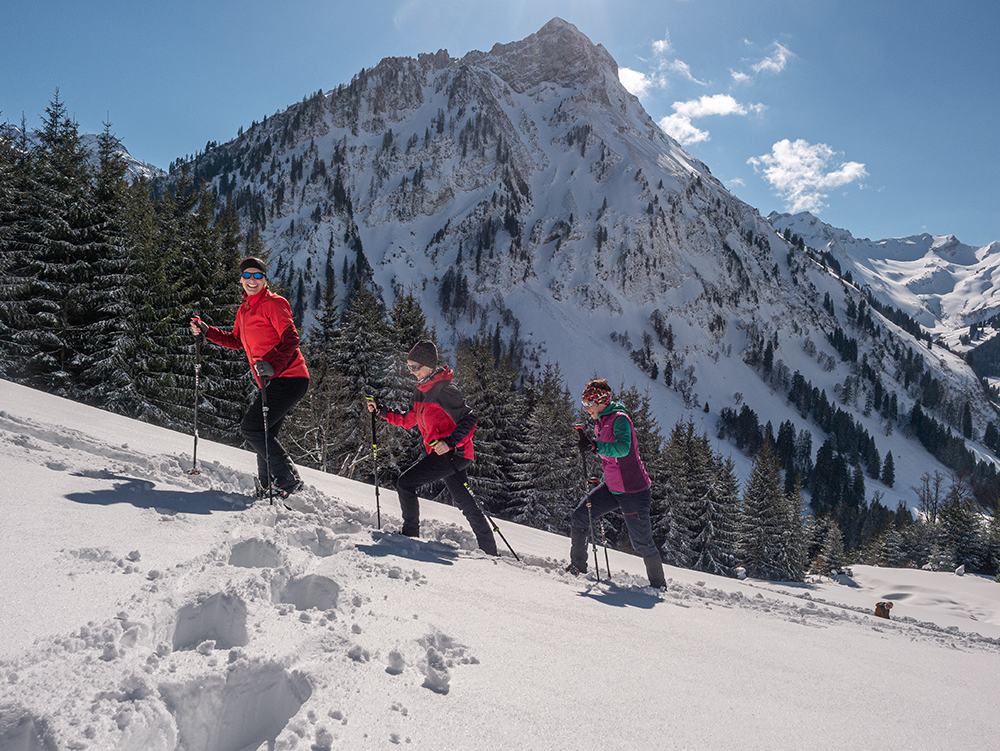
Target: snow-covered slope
(146, 609)
(943, 284)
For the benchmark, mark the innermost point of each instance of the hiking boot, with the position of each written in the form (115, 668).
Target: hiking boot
(577, 552)
(283, 490)
(654, 570)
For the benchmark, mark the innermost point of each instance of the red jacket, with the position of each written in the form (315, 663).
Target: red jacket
(440, 411)
(265, 330)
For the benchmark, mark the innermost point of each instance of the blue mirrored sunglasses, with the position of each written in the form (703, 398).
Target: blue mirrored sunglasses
(254, 274)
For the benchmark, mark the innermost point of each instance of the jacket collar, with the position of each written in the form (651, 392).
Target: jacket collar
(611, 408)
(252, 301)
(444, 373)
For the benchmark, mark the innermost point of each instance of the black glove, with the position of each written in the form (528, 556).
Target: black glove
(584, 441)
(263, 369)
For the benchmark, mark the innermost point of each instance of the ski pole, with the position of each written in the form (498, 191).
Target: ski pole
(604, 542)
(464, 477)
(267, 451)
(197, 380)
(590, 516)
(378, 509)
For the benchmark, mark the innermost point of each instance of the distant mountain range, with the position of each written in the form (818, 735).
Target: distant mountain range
(524, 192)
(945, 285)
(134, 167)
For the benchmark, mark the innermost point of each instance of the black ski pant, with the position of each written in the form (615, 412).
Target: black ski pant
(282, 394)
(635, 508)
(450, 469)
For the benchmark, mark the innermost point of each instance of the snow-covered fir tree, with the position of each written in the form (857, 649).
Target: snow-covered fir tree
(964, 534)
(548, 474)
(831, 555)
(488, 381)
(771, 533)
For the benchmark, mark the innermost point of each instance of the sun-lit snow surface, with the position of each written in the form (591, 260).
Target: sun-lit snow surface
(146, 609)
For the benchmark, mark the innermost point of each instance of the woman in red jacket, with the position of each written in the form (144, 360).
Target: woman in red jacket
(446, 424)
(265, 331)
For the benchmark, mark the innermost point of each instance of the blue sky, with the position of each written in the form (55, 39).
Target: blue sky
(880, 117)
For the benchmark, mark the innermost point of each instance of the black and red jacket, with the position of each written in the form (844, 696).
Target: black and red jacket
(440, 411)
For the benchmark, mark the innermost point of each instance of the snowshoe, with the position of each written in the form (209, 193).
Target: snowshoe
(283, 491)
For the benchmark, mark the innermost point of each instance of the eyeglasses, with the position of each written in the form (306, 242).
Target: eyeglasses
(588, 404)
(414, 368)
(253, 274)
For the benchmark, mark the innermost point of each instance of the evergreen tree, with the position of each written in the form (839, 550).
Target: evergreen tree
(832, 553)
(892, 550)
(548, 479)
(771, 527)
(360, 356)
(313, 429)
(715, 514)
(59, 255)
(113, 382)
(993, 540)
(963, 534)
(17, 181)
(488, 384)
(889, 471)
(673, 516)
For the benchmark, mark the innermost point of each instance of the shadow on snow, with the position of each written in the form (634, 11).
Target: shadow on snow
(387, 544)
(143, 494)
(609, 593)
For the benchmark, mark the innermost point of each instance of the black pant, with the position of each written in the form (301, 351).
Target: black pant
(451, 469)
(282, 394)
(634, 506)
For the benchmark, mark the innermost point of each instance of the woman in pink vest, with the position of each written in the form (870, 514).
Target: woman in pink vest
(626, 484)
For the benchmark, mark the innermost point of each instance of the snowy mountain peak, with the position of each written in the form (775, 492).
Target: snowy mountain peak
(558, 53)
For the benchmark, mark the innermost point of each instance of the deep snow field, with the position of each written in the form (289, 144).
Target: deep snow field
(147, 609)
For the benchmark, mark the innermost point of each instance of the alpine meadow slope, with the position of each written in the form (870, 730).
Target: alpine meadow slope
(147, 609)
(523, 194)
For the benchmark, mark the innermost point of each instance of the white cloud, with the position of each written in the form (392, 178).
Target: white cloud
(682, 69)
(662, 70)
(636, 83)
(679, 126)
(774, 63)
(717, 104)
(802, 173)
(682, 130)
(663, 46)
